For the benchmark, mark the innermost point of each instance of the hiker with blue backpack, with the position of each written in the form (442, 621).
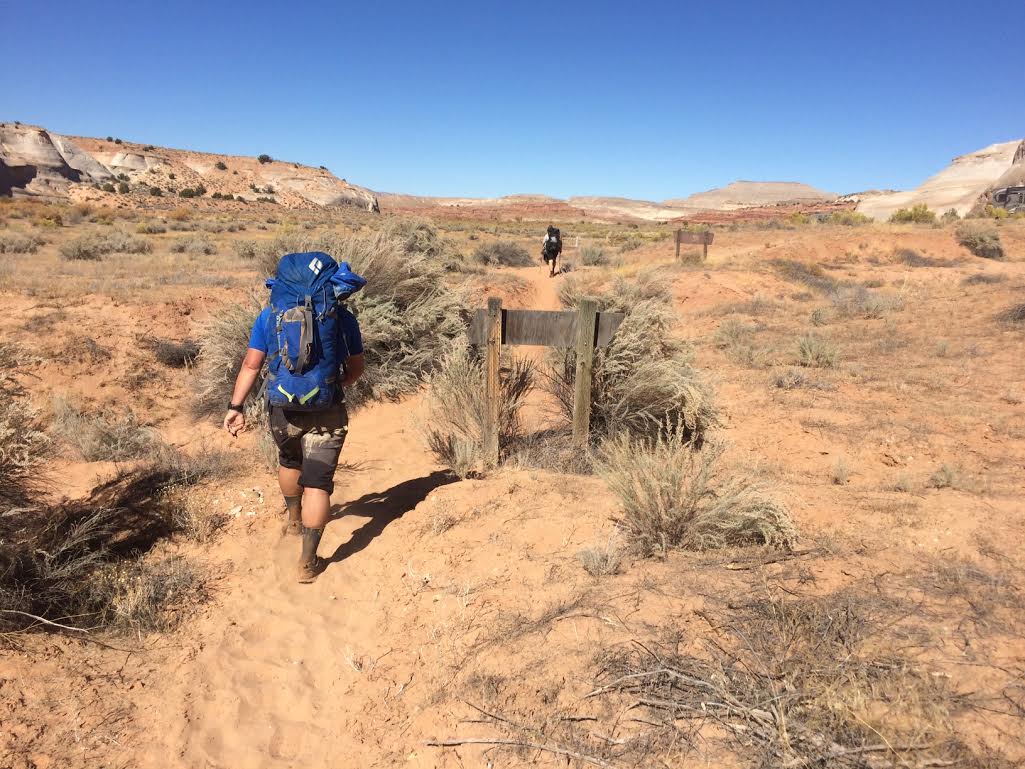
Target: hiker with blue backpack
(313, 350)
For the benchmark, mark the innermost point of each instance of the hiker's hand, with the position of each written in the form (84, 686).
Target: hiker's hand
(234, 422)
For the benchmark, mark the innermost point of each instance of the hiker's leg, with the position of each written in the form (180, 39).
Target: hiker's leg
(321, 448)
(288, 438)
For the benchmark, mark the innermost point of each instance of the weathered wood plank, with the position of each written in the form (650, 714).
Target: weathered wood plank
(549, 328)
(492, 384)
(586, 329)
(703, 238)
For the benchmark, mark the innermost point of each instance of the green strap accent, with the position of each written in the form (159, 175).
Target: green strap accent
(286, 393)
(304, 399)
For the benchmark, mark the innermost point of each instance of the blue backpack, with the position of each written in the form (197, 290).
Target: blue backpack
(305, 346)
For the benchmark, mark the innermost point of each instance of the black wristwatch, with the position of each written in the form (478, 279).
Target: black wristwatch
(240, 408)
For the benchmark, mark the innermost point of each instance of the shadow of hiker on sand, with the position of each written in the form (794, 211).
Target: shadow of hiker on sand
(383, 507)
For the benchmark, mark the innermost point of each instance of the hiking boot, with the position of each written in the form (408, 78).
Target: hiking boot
(308, 571)
(308, 561)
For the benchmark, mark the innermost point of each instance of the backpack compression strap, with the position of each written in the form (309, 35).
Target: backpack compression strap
(305, 337)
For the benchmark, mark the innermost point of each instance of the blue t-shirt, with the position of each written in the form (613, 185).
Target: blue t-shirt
(348, 327)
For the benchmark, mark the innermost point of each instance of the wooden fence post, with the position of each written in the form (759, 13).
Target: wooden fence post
(587, 315)
(704, 256)
(492, 385)
(677, 245)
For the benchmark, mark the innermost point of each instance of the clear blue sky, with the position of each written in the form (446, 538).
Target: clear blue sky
(646, 100)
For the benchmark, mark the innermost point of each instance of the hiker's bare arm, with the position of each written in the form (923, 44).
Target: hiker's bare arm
(354, 367)
(235, 421)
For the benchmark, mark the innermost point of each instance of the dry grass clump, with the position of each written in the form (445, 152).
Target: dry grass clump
(860, 302)
(456, 410)
(912, 258)
(810, 275)
(245, 248)
(815, 352)
(96, 245)
(674, 496)
(102, 437)
(736, 339)
(17, 243)
(984, 279)
(505, 253)
(980, 239)
(419, 236)
(150, 227)
(602, 560)
(141, 596)
(193, 244)
(642, 379)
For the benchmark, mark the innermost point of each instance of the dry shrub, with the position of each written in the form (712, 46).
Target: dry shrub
(223, 341)
(245, 248)
(980, 239)
(643, 378)
(174, 354)
(97, 245)
(1014, 316)
(23, 444)
(456, 409)
(622, 294)
(810, 275)
(675, 496)
(76, 563)
(145, 595)
(104, 436)
(150, 227)
(504, 253)
(912, 258)
(593, 256)
(828, 681)
(984, 279)
(17, 243)
(419, 236)
(193, 244)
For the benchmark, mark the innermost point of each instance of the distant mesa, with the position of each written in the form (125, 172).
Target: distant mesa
(747, 194)
(37, 163)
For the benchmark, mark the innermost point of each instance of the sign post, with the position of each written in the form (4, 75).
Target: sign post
(581, 331)
(703, 238)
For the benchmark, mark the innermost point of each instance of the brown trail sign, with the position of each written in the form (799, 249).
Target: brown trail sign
(703, 238)
(583, 330)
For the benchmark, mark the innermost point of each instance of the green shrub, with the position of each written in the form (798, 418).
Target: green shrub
(502, 252)
(919, 214)
(220, 166)
(123, 188)
(593, 256)
(186, 192)
(107, 187)
(950, 215)
(981, 240)
(815, 352)
(674, 496)
(155, 192)
(265, 159)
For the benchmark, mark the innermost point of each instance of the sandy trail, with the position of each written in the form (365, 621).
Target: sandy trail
(274, 680)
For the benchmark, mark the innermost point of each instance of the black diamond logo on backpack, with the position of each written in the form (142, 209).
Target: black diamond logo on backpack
(316, 266)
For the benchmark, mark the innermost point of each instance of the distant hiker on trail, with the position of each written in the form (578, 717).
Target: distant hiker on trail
(314, 350)
(551, 247)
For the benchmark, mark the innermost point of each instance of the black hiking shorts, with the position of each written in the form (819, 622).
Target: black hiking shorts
(310, 441)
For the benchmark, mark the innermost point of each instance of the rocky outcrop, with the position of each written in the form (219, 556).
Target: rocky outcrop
(959, 186)
(746, 194)
(34, 162)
